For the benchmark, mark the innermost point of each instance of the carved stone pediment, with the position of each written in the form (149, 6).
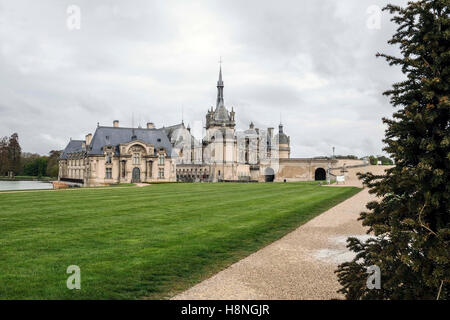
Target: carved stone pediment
(137, 148)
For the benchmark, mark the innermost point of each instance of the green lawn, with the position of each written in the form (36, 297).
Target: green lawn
(153, 242)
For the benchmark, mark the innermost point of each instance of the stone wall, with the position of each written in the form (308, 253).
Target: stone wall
(301, 169)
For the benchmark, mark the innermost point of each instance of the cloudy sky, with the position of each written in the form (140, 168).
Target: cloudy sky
(311, 61)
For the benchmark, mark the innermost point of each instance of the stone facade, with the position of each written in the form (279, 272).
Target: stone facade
(124, 155)
(118, 155)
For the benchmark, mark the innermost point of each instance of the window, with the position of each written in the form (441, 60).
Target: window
(136, 158)
(161, 173)
(150, 165)
(108, 158)
(108, 174)
(161, 159)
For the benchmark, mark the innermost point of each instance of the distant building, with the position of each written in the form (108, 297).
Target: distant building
(122, 155)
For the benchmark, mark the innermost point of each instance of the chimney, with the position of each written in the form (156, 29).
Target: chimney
(150, 125)
(116, 123)
(88, 139)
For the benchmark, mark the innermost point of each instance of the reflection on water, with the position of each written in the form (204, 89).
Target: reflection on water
(24, 185)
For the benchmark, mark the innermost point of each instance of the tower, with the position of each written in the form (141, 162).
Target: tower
(284, 151)
(220, 143)
(220, 117)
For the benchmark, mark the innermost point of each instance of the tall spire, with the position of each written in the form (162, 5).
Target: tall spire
(182, 115)
(220, 87)
(280, 127)
(220, 117)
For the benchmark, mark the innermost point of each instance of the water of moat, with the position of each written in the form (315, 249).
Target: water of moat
(24, 185)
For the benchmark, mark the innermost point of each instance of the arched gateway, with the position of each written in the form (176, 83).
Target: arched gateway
(269, 175)
(320, 174)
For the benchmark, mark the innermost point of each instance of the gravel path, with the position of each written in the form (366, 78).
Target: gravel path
(300, 265)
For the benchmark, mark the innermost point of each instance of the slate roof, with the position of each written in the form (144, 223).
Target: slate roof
(74, 146)
(171, 129)
(251, 132)
(282, 138)
(114, 136)
(221, 114)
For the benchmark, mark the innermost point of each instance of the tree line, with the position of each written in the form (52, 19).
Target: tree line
(17, 163)
(10, 153)
(384, 160)
(372, 159)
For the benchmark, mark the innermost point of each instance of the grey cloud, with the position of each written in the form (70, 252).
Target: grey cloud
(312, 61)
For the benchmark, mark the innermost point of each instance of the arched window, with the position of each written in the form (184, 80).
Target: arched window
(136, 158)
(161, 159)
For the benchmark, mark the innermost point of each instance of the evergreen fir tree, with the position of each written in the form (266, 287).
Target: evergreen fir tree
(410, 222)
